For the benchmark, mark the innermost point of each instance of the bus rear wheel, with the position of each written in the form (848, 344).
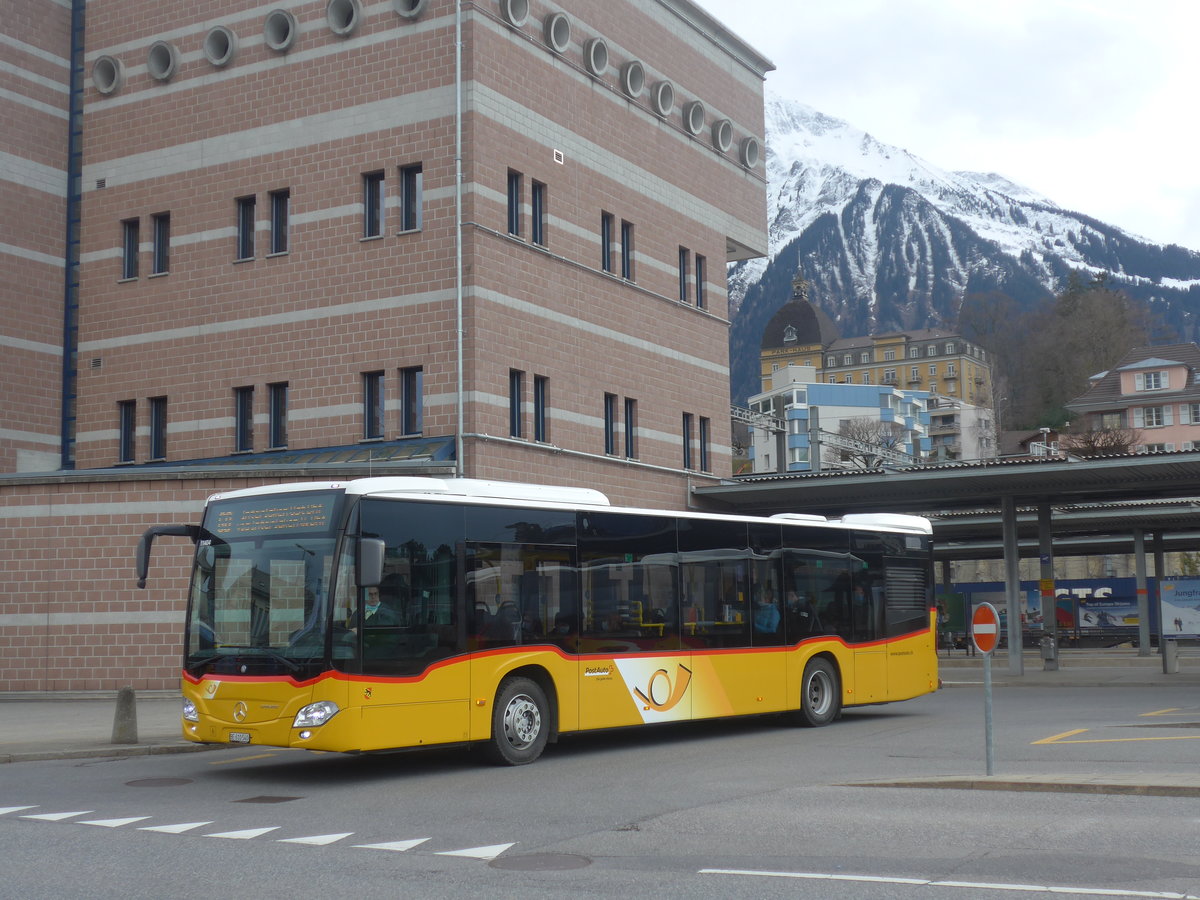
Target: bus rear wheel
(520, 722)
(820, 694)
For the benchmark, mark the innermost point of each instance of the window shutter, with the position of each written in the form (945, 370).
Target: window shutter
(1139, 381)
(1166, 379)
(1170, 447)
(1139, 420)
(1185, 414)
(1169, 415)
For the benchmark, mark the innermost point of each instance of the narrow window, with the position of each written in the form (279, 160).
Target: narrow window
(516, 388)
(158, 427)
(279, 414)
(705, 432)
(701, 285)
(372, 405)
(243, 416)
(130, 229)
(630, 428)
(610, 423)
(514, 202)
(688, 428)
(411, 186)
(538, 213)
(245, 227)
(541, 388)
(411, 403)
(162, 242)
(627, 250)
(685, 259)
(372, 204)
(279, 220)
(127, 440)
(606, 241)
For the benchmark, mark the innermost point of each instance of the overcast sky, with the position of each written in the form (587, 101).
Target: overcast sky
(1092, 103)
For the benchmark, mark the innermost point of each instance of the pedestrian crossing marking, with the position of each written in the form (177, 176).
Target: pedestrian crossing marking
(174, 829)
(115, 823)
(58, 817)
(397, 846)
(317, 840)
(245, 835)
(478, 852)
(5, 810)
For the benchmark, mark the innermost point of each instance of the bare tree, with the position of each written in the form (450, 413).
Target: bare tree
(871, 435)
(1101, 441)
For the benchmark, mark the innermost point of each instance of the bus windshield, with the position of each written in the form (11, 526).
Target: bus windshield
(259, 599)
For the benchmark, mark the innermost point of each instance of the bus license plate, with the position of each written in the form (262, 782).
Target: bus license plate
(239, 737)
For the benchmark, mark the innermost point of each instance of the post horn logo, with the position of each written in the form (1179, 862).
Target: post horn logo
(240, 711)
(661, 694)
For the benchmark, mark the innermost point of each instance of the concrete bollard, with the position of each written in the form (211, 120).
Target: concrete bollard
(1170, 657)
(125, 721)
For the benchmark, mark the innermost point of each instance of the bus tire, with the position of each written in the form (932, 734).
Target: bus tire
(520, 722)
(820, 694)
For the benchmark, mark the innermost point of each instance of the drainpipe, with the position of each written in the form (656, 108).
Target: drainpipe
(70, 344)
(460, 426)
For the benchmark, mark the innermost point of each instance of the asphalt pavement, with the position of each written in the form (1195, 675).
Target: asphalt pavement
(47, 726)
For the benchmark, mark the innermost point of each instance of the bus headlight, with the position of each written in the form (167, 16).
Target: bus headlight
(315, 714)
(189, 711)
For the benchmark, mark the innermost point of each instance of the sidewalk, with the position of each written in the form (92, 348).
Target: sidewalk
(1076, 668)
(80, 725)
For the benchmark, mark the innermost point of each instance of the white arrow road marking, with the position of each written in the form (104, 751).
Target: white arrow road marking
(244, 835)
(479, 852)
(174, 829)
(398, 846)
(317, 840)
(5, 810)
(58, 817)
(115, 823)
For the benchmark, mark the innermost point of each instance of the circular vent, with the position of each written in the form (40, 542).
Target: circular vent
(515, 12)
(633, 78)
(220, 45)
(409, 9)
(722, 135)
(595, 55)
(279, 30)
(162, 60)
(693, 117)
(749, 152)
(108, 74)
(343, 16)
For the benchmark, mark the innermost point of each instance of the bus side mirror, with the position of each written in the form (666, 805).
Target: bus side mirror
(142, 562)
(370, 562)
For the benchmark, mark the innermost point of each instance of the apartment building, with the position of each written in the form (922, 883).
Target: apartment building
(1152, 392)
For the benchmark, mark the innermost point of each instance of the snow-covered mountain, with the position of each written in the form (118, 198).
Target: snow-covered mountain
(889, 241)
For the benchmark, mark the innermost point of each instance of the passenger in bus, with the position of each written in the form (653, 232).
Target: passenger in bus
(802, 614)
(766, 612)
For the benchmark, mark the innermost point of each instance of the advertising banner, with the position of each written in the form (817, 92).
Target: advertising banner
(1179, 604)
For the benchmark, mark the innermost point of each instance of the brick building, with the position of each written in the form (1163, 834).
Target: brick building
(329, 238)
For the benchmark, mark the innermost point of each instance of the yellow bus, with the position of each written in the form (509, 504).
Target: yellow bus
(401, 612)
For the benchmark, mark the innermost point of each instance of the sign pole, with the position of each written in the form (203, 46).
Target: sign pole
(987, 712)
(985, 632)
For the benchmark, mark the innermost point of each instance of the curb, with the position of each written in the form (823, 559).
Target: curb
(1040, 783)
(108, 752)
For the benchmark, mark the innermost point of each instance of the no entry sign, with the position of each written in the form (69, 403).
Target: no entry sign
(985, 627)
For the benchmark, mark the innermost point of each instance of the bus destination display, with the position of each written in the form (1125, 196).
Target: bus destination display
(273, 515)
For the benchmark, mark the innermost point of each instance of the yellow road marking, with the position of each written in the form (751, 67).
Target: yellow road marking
(225, 762)
(1058, 738)
(1163, 712)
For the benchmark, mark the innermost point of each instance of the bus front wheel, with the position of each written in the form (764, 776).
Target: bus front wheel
(520, 722)
(820, 694)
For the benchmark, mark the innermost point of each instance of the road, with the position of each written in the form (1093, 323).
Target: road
(754, 808)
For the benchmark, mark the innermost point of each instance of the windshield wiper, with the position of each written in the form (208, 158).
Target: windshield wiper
(236, 649)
